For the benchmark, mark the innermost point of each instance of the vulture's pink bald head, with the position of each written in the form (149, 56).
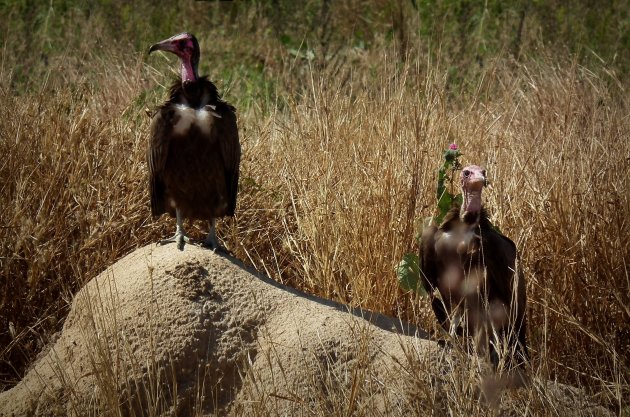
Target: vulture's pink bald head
(186, 47)
(473, 179)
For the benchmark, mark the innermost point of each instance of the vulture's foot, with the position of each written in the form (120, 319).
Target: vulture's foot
(444, 344)
(180, 238)
(211, 241)
(215, 246)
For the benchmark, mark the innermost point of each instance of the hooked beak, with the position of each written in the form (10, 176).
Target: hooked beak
(166, 45)
(476, 182)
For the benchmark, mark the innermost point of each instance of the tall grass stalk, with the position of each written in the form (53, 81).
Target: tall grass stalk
(340, 157)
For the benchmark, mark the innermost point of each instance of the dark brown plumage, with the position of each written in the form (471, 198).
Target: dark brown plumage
(472, 266)
(194, 150)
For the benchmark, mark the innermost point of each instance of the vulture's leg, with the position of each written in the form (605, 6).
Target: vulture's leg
(456, 320)
(497, 347)
(440, 312)
(211, 240)
(180, 236)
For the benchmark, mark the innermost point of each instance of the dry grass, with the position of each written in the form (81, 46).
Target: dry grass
(353, 165)
(335, 173)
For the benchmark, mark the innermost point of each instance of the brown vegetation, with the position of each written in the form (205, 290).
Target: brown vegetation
(339, 161)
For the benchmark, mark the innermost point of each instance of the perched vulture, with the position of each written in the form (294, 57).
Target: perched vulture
(194, 150)
(473, 267)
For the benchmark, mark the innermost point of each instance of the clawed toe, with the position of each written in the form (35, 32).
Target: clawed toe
(215, 247)
(179, 238)
(444, 344)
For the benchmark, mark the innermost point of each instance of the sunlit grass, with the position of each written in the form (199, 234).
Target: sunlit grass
(340, 159)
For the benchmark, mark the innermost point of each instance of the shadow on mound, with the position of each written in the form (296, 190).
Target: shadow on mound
(166, 332)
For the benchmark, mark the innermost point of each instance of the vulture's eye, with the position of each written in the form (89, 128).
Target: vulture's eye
(466, 173)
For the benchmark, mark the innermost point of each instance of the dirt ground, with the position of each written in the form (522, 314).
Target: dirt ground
(169, 332)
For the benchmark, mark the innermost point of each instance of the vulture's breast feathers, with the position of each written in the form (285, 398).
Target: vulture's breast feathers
(187, 117)
(461, 240)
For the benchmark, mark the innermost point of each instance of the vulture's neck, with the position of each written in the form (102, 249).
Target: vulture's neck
(189, 71)
(470, 212)
(189, 77)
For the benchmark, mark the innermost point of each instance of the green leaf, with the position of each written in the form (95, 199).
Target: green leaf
(445, 202)
(286, 40)
(408, 273)
(458, 200)
(441, 188)
(445, 198)
(450, 157)
(408, 270)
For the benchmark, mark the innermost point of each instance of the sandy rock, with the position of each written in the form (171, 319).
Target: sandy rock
(168, 332)
(162, 318)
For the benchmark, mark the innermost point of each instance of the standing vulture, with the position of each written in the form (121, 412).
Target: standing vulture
(194, 150)
(473, 267)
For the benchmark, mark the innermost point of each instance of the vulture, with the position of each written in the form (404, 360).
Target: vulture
(473, 267)
(194, 150)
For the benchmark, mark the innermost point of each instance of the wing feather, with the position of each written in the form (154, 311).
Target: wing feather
(500, 262)
(159, 141)
(428, 259)
(231, 153)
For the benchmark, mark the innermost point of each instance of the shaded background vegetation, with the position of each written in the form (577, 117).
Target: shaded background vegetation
(461, 34)
(75, 84)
